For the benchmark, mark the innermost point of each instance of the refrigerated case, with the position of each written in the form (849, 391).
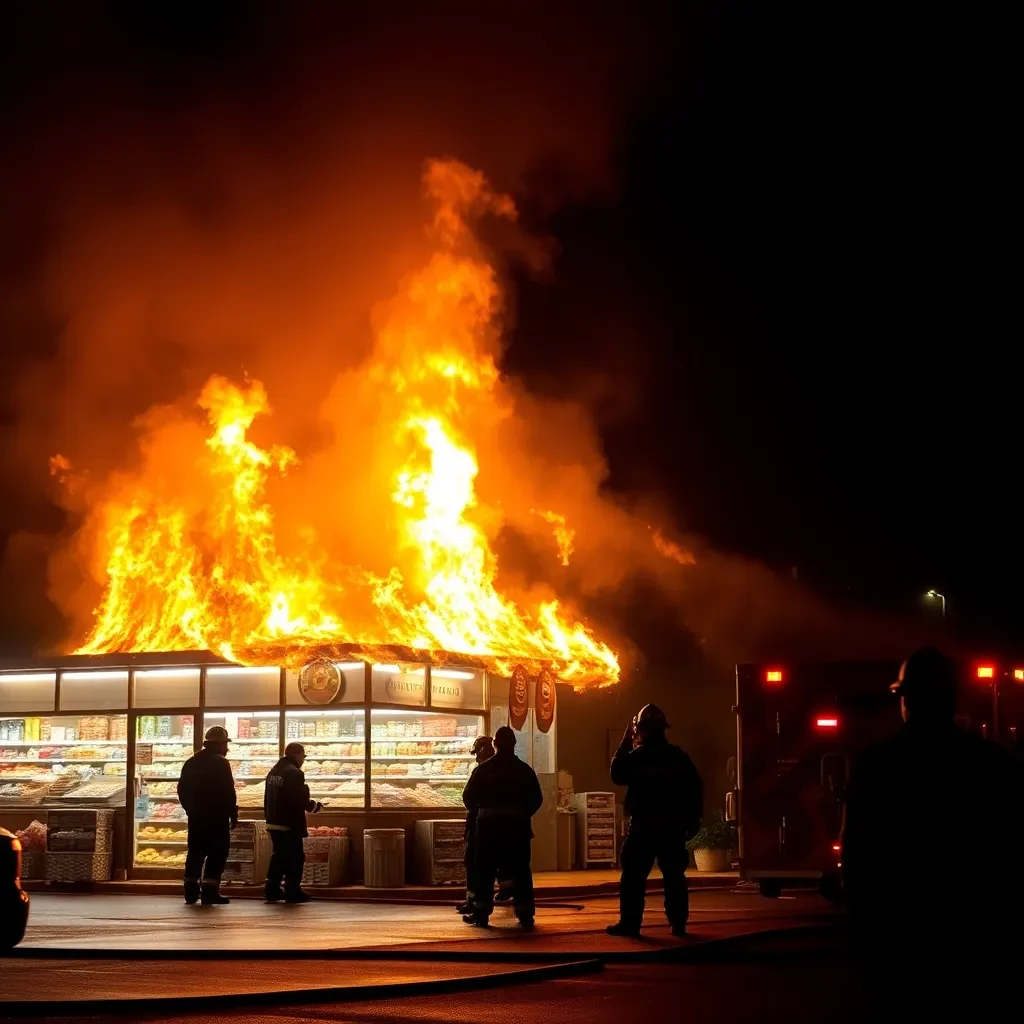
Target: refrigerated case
(420, 758)
(63, 760)
(163, 743)
(335, 745)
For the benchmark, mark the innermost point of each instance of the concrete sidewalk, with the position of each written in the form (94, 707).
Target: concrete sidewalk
(548, 884)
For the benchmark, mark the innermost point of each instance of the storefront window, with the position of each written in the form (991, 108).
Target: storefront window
(167, 688)
(231, 685)
(399, 684)
(255, 749)
(163, 744)
(335, 764)
(88, 691)
(339, 682)
(457, 688)
(63, 759)
(420, 758)
(27, 691)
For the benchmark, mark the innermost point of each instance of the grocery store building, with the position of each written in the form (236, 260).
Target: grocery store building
(387, 743)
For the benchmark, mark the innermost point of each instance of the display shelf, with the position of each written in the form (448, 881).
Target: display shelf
(418, 757)
(61, 743)
(334, 778)
(162, 796)
(63, 760)
(422, 739)
(149, 841)
(420, 778)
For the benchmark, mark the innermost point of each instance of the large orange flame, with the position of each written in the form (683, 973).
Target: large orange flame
(184, 572)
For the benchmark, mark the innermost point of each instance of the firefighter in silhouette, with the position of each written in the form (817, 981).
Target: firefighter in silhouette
(664, 801)
(482, 750)
(925, 942)
(206, 791)
(286, 802)
(504, 794)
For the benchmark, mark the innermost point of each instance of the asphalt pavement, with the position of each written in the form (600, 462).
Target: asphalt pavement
(137, 924)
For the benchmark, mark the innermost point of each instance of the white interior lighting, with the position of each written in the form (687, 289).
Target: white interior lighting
(387, 669)
(167, 673)
(236, 670)
(27, 677)
(348, 666)
(449, 673)
(110, 674)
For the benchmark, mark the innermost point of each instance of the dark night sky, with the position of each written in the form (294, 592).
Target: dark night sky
(799, 280)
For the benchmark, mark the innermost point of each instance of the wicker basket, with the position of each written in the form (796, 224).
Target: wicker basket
(33, 864)
(325, 860)
(78, 867)
(79, 820)
(80, 841)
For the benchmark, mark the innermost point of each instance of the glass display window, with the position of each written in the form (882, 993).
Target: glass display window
(323, 683)
(335, 744)
(94, 690)
(420, 758)
(64, 759)
(166, 688)
(163, 743)
(255, 749)
(232, 685)
(27, 691)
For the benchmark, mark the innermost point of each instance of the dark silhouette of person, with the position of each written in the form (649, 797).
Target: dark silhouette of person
(504, 794)
(286, 801)
(664, 801)
(206, 791)
(924, 805)
(482, 750)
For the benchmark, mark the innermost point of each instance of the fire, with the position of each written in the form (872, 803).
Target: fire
(564, 534)
(193, 560)
(671, 550)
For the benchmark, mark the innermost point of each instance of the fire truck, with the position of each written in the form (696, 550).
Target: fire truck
(799, 730)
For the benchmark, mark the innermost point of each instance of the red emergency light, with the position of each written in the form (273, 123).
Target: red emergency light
(773, 675)
(986, 672)
(827, 722)
(837, 848)
(1018, 675)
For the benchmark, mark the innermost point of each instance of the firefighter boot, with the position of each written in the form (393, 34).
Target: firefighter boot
(211, 893)
(191, 890)
(624, 929)
(273, 893)
(293, 892)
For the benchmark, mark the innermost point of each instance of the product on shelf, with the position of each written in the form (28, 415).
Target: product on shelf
(150, 833)
(162, 788)
(33, 837)
(161, 858)
(26, 792)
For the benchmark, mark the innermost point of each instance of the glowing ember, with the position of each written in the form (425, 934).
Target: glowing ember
(193, 559)
(672, 550)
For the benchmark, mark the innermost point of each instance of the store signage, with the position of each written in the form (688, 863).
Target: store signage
(456, 688)
(321, 682)
(395, 687)
(143, 753)
(518, 697)
(545, 699)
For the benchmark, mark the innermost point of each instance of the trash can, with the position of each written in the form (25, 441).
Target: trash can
(383, 858)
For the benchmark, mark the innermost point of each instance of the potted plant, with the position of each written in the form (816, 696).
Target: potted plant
(711, 845)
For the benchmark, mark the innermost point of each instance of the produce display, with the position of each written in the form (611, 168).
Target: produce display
(152, 857)
(151, 832)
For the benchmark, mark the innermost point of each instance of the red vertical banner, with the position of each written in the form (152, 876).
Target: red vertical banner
(545, 699)
(518, 697)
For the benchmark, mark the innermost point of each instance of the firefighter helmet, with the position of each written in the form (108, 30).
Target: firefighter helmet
(217, 734)
(481, 743)
(651, 719)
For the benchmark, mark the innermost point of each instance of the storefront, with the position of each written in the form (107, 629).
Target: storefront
(386, 744)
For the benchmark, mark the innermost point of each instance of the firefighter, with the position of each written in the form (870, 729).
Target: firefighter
(482, 750)
(206, 791)
(912, 799)
(504, 794)
(286, 802)
(664, 801)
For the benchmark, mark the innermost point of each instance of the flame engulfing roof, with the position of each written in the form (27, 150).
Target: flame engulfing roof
(192, 556)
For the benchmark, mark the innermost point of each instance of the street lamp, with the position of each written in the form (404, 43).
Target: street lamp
(941, 597)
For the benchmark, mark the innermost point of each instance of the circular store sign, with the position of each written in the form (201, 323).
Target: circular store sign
(321, 682)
